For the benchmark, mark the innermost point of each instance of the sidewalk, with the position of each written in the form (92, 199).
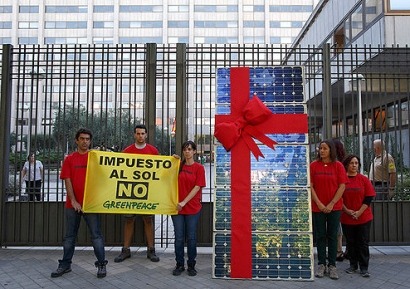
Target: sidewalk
(30, 267)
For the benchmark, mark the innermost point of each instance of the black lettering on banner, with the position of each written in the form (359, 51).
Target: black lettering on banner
(114, 174)
(132, 190)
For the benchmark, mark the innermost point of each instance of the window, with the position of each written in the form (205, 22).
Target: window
(6, 9)
(103, 24)
(373, 10)
(140, 24)
(5, 24)
(65, 24)
(140, 8)
(398, 5)
(28, 40)
(215, 24)
(131, 40)
(28, 25)
(5, 40)
(103, 8)
(253, 8)
(28, 9)
(66, 9)
(291, 8)
(357, 21)
(254, 24)
(216, 8)
(178, 24)
(178, 8)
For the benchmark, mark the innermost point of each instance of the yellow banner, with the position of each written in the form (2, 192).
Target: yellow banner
(120, 183)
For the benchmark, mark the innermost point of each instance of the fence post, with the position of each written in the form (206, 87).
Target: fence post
(181, 98)
(5, 116)
(151, 91)
(327, 94)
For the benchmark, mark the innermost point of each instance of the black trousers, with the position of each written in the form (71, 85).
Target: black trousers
(357, 244)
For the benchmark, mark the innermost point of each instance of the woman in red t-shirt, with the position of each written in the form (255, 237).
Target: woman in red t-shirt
(327, 184)
(191, 180)
(357, 216)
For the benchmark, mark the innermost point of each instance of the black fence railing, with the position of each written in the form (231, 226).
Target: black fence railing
(52, 90)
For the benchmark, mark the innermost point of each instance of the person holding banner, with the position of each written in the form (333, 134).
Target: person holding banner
(139, 147)
(327, 183)
(191, 180)
(73, 173)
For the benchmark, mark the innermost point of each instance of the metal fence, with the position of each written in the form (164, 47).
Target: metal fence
(50, 91)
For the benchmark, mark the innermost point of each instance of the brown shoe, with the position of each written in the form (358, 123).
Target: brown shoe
(125, 253)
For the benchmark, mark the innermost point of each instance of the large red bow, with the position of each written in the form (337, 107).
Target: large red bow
(254, 113)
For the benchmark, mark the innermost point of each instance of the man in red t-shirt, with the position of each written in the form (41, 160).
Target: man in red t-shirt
(139, 147)
(73, 173)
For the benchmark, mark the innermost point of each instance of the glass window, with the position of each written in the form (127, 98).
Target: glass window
(215, 24)
(65, 9)
(178, 8)
(131, 40)
(65, 25)
(28, 9)
(5, 24)
(28, 40)
(290, 8)
(357, 21)
(274, 24)
(28, 25)
(103, 24)
(398, 5)
(5, 40)
(140, 8)
(254, 24)
(6, 9)
(103, 8)
(178, 24)
(373, 9)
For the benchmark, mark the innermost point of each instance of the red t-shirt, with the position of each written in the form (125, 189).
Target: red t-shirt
(189, 177)
(74, 168)
(147, 150)
(356, 190)
(325, 179)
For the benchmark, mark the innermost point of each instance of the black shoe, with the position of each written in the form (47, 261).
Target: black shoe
(365, 273)
(178, 270)
(125, 253)
(191, 271)
(340, 257)
(60, 271)
(102, 270)
(151, 255)
(351, 270)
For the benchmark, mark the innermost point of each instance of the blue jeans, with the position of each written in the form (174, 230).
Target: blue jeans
(185, 227)
(72, 219)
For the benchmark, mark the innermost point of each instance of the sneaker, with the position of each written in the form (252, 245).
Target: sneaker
(365, 273)
(351, 270)
(333, 272)
(151, 255)
(102, 270)
(191, 271)
(178, 270)
(125, 253)
(321, 270)
(60, 271)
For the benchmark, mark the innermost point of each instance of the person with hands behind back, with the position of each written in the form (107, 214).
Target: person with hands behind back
(73, 173)
(327, 184)
(191, 180)
(357, 216)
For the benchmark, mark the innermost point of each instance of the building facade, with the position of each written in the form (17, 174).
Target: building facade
(155, 21)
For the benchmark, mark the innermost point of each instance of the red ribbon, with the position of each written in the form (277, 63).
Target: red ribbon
(248, 118)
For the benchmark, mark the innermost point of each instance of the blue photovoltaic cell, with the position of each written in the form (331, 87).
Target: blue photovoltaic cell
(269, 84)
(274, 256)
(282, 246)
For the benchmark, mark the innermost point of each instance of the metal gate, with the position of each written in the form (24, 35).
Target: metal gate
(47, 92)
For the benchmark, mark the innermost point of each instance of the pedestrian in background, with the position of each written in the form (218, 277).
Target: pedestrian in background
(357, 216)
(191, 180)
(73, 173)
(327, 184)
(382, 172)
(32, 173)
